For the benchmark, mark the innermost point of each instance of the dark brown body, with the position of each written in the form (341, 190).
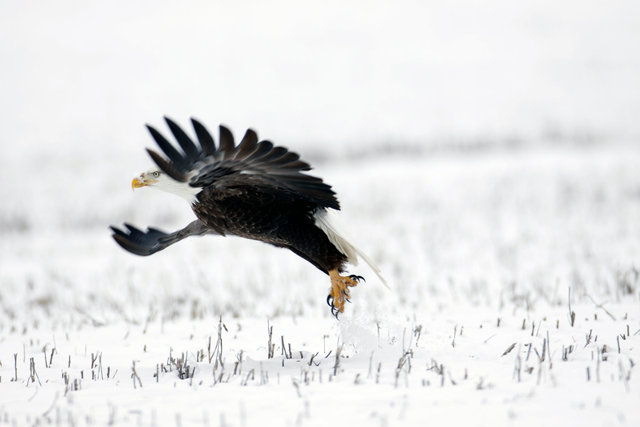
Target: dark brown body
(278, 218)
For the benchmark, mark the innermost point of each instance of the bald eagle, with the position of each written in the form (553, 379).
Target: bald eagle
(254, 190)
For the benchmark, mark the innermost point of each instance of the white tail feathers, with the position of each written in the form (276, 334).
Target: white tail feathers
(327, 222)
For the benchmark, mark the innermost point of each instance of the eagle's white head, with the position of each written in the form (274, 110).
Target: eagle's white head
(155, 178)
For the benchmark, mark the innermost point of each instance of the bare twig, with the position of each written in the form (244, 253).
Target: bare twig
(270, 345)
(337, 362)
(134, 375)
(572, 314)
(508, 350)
(601, 306)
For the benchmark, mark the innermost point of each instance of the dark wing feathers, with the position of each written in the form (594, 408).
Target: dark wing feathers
(167, 148)
(185, 142)
(153, 240)
(270, 167)
(137, 241)
(227, 146)
(204, 137)
(275, 154)
(247, 146)
(263, 148)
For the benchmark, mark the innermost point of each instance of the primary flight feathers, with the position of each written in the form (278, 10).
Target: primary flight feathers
(260, 162)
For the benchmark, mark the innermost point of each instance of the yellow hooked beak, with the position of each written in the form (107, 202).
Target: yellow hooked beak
(141, 181)
(137, 183)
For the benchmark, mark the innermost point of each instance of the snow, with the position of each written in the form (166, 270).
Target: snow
(486, 258)
(485, 155)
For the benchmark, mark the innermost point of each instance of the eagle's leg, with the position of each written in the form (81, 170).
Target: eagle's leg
(339, 292)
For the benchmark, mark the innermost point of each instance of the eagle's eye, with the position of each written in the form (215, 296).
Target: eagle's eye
(156, 174)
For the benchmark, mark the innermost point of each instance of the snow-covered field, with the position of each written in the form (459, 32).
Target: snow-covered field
(486, 157)
(488, 255)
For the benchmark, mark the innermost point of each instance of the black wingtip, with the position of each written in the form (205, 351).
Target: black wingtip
(250, 134)
(150, 128)
(136, 241)
(204, 137)
(169, 121)
(247, 145)
(183, 139)
(227, 144)
(167, 148)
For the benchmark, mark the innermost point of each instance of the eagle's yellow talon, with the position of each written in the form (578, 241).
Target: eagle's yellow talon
(339, 292)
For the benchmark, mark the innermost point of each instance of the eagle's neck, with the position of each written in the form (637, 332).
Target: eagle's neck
(178, 188)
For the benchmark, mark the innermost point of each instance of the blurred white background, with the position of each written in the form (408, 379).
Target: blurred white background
(85, 76)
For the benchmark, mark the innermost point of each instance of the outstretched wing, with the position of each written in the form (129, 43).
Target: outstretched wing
(252, 162)
(153, 240)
